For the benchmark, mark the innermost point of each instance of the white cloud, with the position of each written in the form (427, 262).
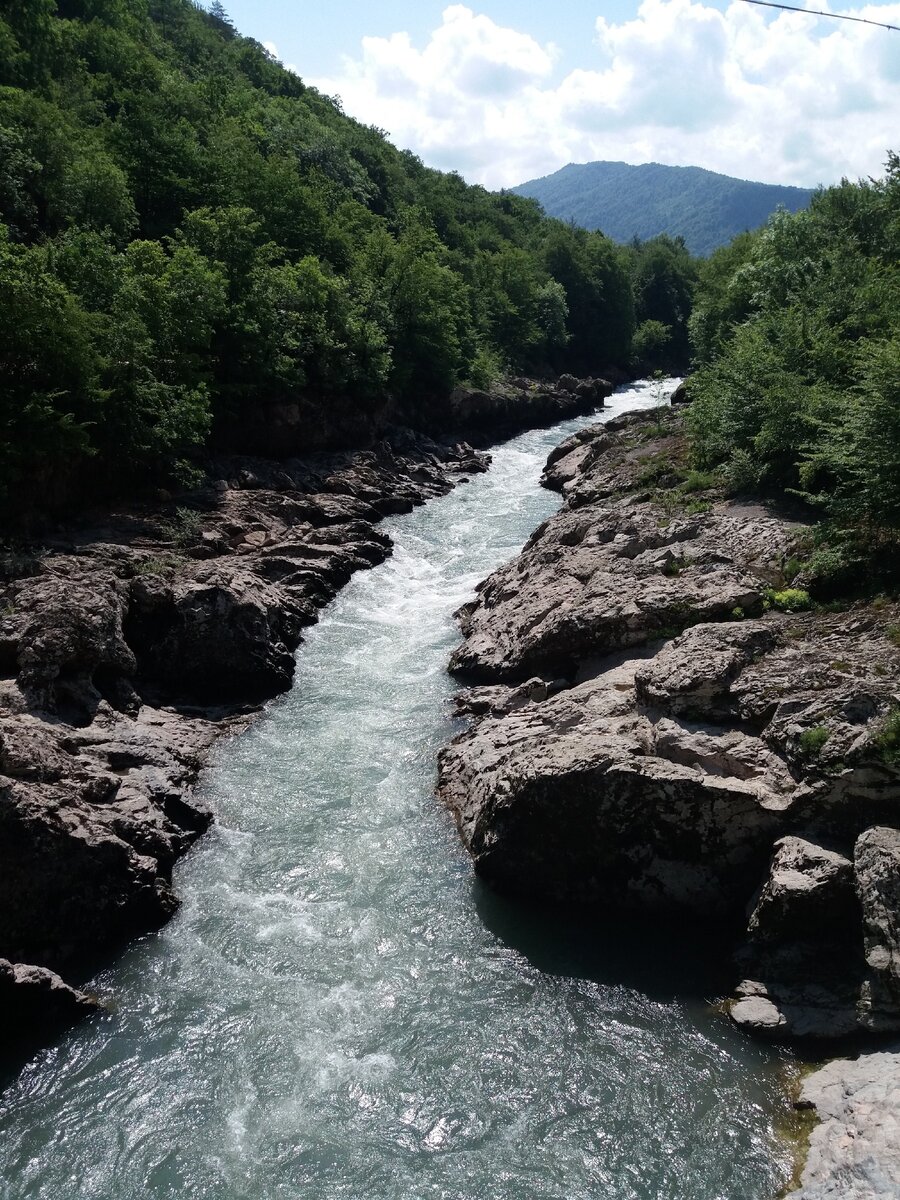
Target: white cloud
(789, 98)
(273, 50)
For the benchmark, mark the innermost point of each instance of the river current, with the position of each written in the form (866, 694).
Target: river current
(340, 1010)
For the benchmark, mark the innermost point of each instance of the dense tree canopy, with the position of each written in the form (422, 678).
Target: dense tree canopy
(191, 236)
(663, 277)
(797, 333)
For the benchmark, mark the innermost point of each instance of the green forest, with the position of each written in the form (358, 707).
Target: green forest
(796, 338)
(705, 208)
(190, 237)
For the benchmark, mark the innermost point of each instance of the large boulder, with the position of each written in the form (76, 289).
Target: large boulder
(854, 1151)
(35, 1003)
(607, 577)
(877, 865)
(69, 640)
(564, 799)
(803, 950)
(68, 884)
(218, 635)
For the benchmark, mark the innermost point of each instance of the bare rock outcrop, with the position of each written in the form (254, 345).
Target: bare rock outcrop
(877, 864)
(705, 751)
(595, 580)
(34, 1002)
(516, 404)
(854, 1151)
(125, 651)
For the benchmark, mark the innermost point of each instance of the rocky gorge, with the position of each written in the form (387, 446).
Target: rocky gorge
(134, 642)
(127, 651)
(661, 722)
(131, 643)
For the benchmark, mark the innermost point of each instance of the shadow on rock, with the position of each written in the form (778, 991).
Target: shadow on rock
(664, 960)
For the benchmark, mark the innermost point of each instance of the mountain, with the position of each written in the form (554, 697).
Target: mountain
(705, 208)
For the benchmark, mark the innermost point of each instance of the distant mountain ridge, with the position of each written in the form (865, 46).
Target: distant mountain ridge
(705, 208)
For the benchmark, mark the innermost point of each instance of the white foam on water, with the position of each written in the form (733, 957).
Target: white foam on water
(339, 1010)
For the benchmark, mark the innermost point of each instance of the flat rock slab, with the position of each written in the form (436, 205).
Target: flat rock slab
(854, 1153)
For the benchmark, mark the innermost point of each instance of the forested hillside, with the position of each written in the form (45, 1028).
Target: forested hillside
(796, 332)
(191, 239)
(703, 207)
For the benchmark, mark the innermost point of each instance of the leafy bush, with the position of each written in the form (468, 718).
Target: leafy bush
(790, 600)
(791, 568)
(812, 740)
(698, 481)
(887, 741)
(184, 528)
(163, 564)
(651, 338)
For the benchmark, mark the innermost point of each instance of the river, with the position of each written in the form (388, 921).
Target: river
(341, 1010)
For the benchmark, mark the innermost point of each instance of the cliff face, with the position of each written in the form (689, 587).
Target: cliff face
(651, 735)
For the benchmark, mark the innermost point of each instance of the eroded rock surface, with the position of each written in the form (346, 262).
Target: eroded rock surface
(33, 1003)
(125, 651)
(650, 734)
(854, 1152)
(523, 403)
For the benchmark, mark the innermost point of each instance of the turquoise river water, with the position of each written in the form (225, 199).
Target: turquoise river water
(341, 1011)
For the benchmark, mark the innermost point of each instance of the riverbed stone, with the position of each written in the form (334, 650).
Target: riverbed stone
(854, 1151)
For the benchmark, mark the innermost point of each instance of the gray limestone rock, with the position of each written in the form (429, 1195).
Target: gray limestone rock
(563, 799)
(698, 760)
(877, 865)
(35, 1001)
(854, 1153)
(606, 577)
(803, 947)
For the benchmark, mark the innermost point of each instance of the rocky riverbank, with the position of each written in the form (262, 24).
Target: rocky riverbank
(854, 1149)
(126, 649)
(662, 725)
(130, 644)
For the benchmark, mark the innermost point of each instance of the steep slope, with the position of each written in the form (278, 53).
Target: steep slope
(704, 208)
(196, 246)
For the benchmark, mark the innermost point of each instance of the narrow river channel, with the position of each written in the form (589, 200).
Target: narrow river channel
(340, 1010)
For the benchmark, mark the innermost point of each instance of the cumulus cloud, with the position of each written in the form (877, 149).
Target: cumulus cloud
(787, 98)
(273, 50)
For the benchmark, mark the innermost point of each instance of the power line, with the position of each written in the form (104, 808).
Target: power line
(815, 12)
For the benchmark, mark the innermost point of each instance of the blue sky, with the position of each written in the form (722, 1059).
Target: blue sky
(315, 36)
(504, 91)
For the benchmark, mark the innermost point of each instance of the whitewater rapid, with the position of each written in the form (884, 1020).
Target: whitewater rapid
(341, 1010)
